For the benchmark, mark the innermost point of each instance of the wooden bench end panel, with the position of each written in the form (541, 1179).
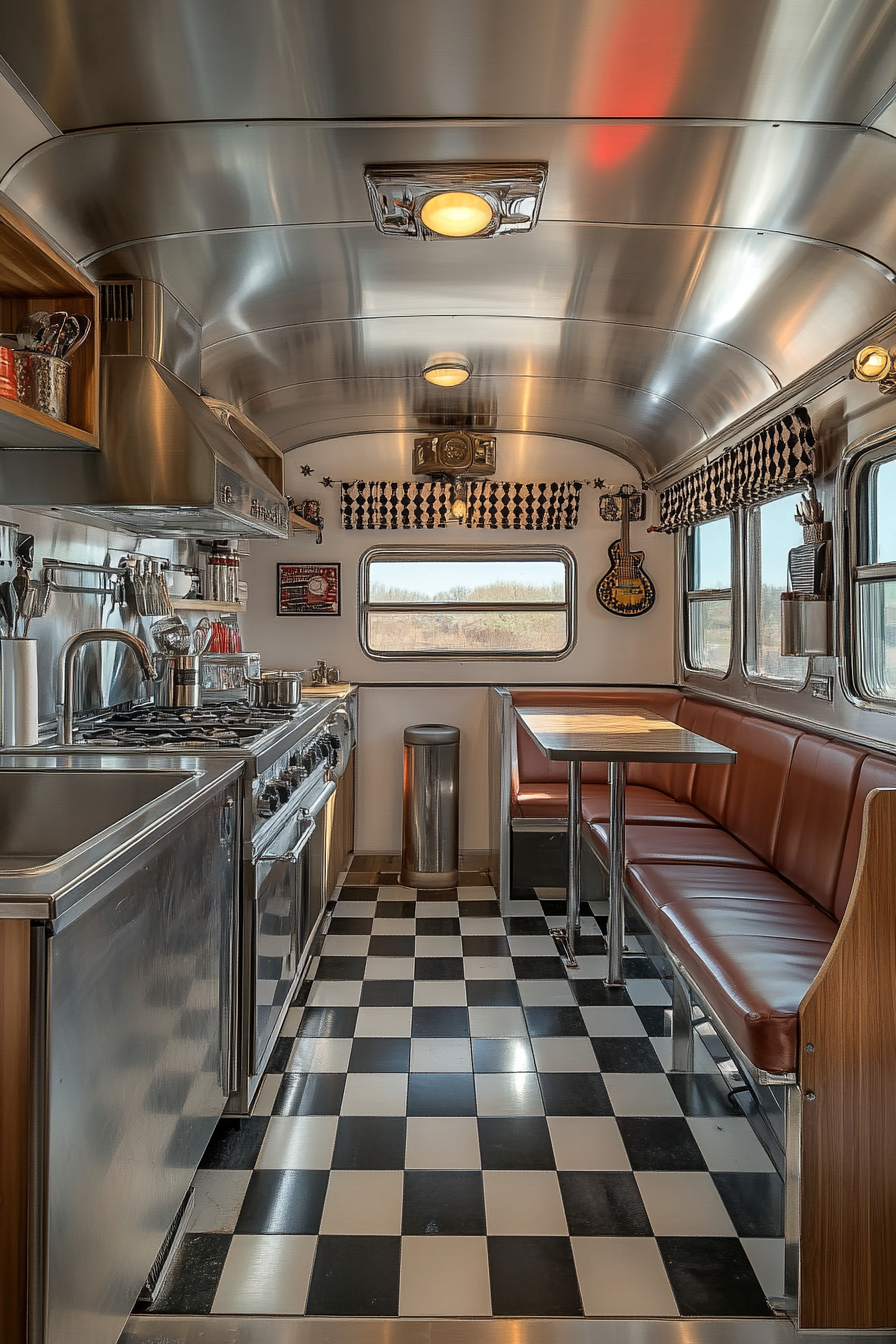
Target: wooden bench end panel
(848, 1081)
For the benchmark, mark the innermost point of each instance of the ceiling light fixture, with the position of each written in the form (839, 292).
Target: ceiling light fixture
(872, 363)
(457, 214)
(455, 200)
(447, 369)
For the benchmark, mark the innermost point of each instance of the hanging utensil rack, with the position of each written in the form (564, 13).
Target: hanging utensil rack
(112, 577)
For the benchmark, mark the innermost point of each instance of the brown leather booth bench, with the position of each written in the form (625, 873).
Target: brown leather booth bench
(749, 879)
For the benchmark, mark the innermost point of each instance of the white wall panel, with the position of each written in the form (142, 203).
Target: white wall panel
(608, 649)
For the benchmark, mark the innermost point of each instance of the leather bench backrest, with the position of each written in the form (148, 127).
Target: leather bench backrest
(815, 814)
(877, 772)
(533, 766)
(710, 783)
(758, 781)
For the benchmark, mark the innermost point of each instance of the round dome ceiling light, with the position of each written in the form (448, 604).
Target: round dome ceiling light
(447, 369)
(457, 214)
(872, 363)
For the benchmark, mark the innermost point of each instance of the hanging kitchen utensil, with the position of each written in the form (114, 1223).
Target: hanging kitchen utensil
(84, 325)
(29, 609)
(48, 337)
(24, 551)
(29, 329)
(7, 607)
(202, 636)
(68, 334)
(20, 585)
(167, 608)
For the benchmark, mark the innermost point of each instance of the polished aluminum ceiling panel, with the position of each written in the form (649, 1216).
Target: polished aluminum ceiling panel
(102, 62)
(97, 190)
(718, 216)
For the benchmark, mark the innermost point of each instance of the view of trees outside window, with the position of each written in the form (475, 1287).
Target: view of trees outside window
(774, 532)
(877, 597)
(709, 616)
(506, 607)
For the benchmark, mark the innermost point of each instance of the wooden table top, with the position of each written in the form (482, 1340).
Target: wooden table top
(584, 734)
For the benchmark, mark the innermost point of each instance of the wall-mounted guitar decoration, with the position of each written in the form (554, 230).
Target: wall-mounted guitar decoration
(625, 590)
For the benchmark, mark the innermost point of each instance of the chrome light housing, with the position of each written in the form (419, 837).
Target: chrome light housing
(501, 198)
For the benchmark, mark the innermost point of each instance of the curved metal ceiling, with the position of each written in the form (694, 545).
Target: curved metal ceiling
(716, 221)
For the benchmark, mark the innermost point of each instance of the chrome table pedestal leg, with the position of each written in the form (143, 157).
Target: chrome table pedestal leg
(616, 920)
(566, 938)
(682, 1027)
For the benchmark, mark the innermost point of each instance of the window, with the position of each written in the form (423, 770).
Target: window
(466, 602)
(771, 535)
(875, 647)
(708, 616)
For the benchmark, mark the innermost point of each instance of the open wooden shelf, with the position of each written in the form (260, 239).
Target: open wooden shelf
(33, 276)
(200, 604)
(299, 524)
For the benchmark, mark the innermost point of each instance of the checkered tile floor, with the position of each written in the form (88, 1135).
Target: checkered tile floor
(453, 1125)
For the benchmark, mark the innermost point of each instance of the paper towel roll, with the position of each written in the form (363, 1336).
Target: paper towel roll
(18, 692)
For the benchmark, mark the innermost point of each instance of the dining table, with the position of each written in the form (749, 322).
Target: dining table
(620, 737)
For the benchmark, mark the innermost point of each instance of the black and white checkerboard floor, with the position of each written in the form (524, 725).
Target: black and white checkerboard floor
(452, 1125)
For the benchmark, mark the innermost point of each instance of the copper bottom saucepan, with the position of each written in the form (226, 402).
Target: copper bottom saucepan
(275, 690)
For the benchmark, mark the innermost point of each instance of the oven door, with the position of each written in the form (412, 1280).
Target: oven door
(281, 886)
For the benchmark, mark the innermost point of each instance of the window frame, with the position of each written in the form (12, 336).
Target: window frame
(752, 587)
(477, 553)
(860, 572)
(691, 595)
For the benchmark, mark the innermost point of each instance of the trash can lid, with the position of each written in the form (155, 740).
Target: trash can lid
(431, 735)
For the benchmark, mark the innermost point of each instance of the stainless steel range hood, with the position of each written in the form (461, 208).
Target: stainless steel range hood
(168, 464)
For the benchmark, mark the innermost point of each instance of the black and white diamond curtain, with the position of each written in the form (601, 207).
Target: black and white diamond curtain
(394, 505)
(771, 463)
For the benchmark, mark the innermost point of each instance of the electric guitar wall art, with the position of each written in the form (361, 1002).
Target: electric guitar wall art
(625, 590)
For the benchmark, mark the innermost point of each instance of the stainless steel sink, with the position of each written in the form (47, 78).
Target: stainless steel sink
(45, 814)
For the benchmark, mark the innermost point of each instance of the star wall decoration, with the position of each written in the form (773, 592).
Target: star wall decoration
(306, 471)
(327, 481)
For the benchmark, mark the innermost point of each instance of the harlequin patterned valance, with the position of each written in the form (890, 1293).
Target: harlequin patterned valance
(396, 505)
(771, 463)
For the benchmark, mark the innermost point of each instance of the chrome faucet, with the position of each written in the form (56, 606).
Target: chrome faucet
(70, 650)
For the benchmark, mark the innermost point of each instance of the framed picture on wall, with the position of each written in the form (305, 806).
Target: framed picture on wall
(308, 590)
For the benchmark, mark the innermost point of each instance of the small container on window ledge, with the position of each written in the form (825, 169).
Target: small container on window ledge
(806, 625)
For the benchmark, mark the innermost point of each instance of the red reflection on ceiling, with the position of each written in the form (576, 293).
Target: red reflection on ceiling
(640, 67)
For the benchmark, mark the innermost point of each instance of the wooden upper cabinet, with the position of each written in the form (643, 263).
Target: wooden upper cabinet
(33, 276)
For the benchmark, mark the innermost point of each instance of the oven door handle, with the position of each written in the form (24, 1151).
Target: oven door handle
(322, 798)
(307, 828)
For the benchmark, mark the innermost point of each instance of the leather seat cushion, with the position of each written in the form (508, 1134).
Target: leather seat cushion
(643, 807)
(656, 885)
(753, 962)
(677, 844)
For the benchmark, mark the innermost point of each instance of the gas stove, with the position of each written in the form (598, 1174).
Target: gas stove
(215, 727)
(287, 751)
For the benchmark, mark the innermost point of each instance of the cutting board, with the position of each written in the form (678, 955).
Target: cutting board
(321, 692)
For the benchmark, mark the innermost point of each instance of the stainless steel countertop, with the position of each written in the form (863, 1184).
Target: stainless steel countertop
(60, 889)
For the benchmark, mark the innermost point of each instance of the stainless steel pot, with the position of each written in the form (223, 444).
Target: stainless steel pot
(178, 685)
(275, 690)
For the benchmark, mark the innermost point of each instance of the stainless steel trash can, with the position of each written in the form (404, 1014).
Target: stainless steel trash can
(429, 812)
